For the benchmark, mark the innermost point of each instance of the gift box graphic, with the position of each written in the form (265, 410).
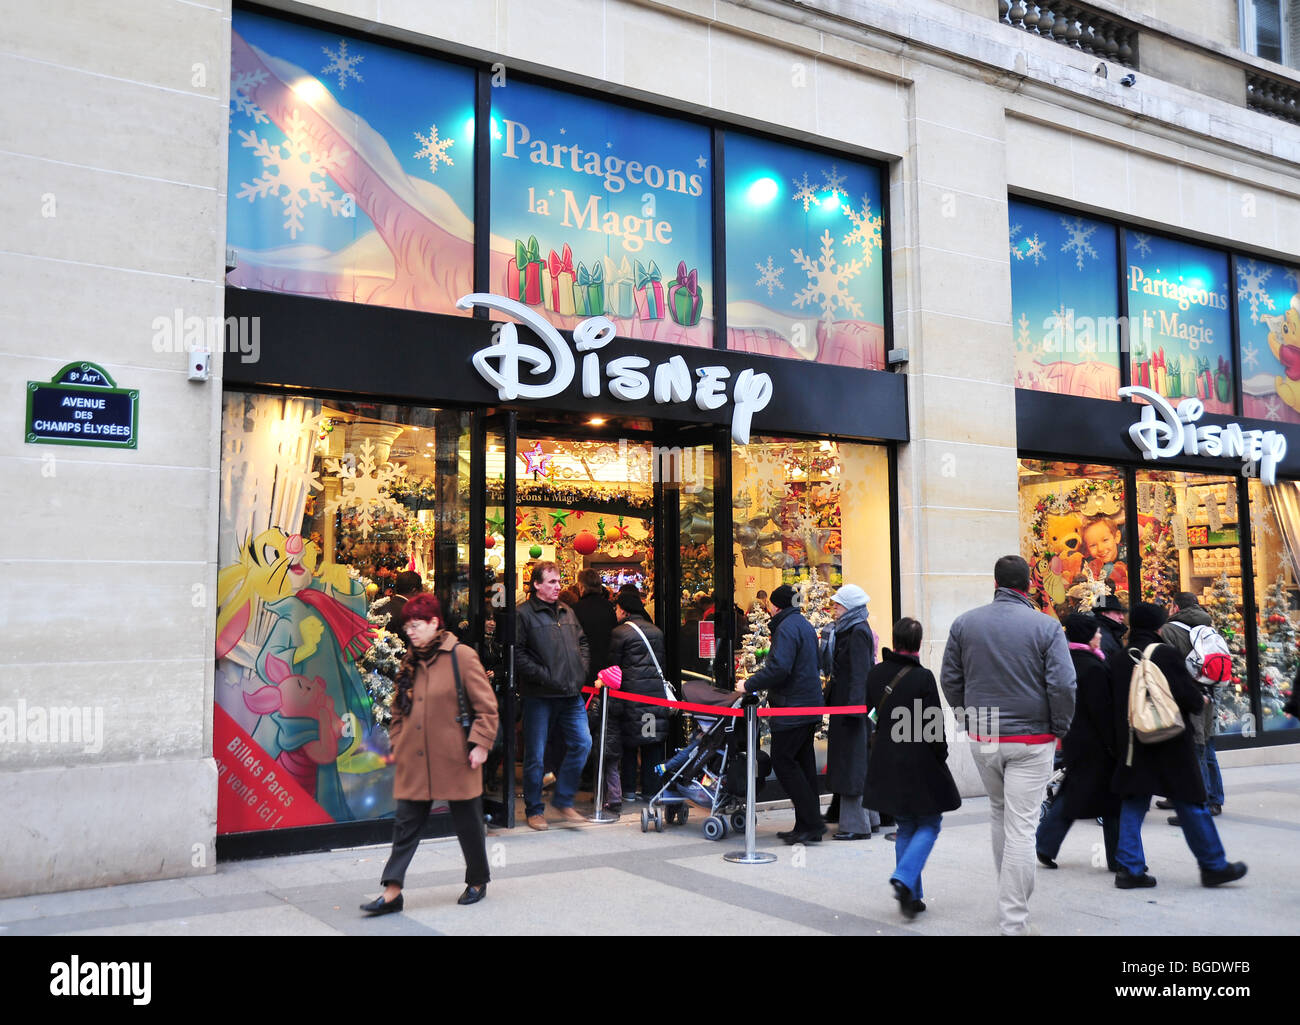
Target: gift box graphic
(649, 291)
(1174, 379)
(1223, 381)
(524, 273)
(620, 289)
(589, 291)
(557, 282)
(1189, 376)
(685, 300)
(1159, 373)
(1142, 374)
(1204, 379)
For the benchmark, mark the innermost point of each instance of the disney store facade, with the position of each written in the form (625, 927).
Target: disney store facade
(1158, 426)
(492, 321)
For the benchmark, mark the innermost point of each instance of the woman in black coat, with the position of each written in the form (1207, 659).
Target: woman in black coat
(637, 647)
(847, 655)
(1169, 767)
(1088, 751)
(908, 775)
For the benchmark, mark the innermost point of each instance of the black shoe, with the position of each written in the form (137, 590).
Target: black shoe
(811, 836)
(1174, 820)
(379, 906)
(906, 902)
(786, 834)
(473, 894)
(892, 837)
(1164, 805)
(1127, 881)
(851, 836)
(1045, 861)
(1216, 809)
(918, 905)
(1219, 876)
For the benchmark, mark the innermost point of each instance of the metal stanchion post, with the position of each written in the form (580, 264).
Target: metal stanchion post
(600, 814)
(750, 856)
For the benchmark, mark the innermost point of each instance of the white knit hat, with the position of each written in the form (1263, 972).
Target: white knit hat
(851, 596)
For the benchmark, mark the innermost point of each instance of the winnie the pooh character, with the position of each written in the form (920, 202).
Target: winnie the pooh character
(1064, 545)
(1284, 340)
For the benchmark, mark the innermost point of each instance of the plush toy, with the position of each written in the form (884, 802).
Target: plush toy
(1065, 543)
(1102, 538)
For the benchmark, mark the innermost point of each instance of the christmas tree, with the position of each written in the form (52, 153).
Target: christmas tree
(1277, 651)
(756, 642)
(813, 597)
(1231, 702)
(379, 666)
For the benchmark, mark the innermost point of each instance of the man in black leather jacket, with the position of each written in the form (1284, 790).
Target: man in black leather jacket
(551, 658)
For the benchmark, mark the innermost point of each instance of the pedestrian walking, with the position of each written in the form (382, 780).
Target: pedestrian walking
(637, 647)
(908, 776)
(791, 678)
(1186, 615)
(1168, 767)
(1088, 751)
(551, 659)
(444, 725)
(1007, 667)
(847, 654)
(1109, 614)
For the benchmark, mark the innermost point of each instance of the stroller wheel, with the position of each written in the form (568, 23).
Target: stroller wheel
(714, 828)
(659, 823)
(683, 813)
(645, 820)
(738, 821)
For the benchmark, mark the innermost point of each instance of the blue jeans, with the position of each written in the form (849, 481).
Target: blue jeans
(1198, 831)
(1054, 826)
(916, 837)
(1210, 771)
(540, 714)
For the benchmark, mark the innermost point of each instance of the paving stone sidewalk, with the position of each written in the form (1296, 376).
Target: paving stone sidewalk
(612, 879)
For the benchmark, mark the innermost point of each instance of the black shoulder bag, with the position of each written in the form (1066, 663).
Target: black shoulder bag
(463, 715)
(875, 712)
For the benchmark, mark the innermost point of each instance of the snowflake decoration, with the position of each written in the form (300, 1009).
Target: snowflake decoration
(1035, 250)
(435, 149)
(1142, 243)
(363, 487)
(1265, 524)
(804, 192)
(1250, 286)
(866, 229)
(833, 182)
(1015, 243)
(1272, 411)
(1294, 275)
(342, 63)
(301, 173)
(1249, 356)
(240, 84)
(769, 277)
(827, 280)
(1024, 340)
(1078, 240)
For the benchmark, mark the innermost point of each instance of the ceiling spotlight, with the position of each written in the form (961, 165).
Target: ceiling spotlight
(596, 421)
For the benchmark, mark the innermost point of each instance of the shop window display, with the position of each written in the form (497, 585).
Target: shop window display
(1075, 535)
(322, 505)
(351, 168)
(1064, 305)
(813, 514)
(1268, 324)
(805, 259)
(1194, 544)
(1275, 523)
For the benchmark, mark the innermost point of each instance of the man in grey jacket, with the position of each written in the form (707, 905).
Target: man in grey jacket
(1008, 675)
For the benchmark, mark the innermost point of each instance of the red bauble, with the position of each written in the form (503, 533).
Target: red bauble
(585, 543)
(489, 541)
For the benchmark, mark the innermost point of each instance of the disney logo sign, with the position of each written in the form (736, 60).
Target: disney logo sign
(1164, 432)
(629, 376)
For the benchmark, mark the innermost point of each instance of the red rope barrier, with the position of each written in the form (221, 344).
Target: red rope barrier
(688, 706)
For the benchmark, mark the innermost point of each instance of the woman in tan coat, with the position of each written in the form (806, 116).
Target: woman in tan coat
(435, 760)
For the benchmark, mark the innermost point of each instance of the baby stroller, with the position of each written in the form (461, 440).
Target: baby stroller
(709, 771)
(1053, 786)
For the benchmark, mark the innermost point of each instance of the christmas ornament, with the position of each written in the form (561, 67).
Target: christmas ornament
(535, 552)
(585, 543)
(497, 522)
(560, 518)
(489, 542)
(536, 461)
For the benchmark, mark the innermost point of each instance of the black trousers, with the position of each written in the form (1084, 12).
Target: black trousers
(466, 816)
(795, 763)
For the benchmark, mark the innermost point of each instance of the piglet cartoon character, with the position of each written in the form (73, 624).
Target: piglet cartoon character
(302, 710)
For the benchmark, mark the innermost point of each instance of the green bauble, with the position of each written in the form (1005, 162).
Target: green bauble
(535, 552)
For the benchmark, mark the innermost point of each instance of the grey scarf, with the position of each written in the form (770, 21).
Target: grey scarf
(846, 622)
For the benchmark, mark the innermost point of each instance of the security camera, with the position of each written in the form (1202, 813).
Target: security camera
(1129, 80)
(1100, 69)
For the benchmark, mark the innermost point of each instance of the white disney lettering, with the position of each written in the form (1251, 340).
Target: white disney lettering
(629, 376)
(1164, 432)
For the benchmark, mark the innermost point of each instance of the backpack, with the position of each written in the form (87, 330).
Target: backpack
(1153, 714)
(1209, 659)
